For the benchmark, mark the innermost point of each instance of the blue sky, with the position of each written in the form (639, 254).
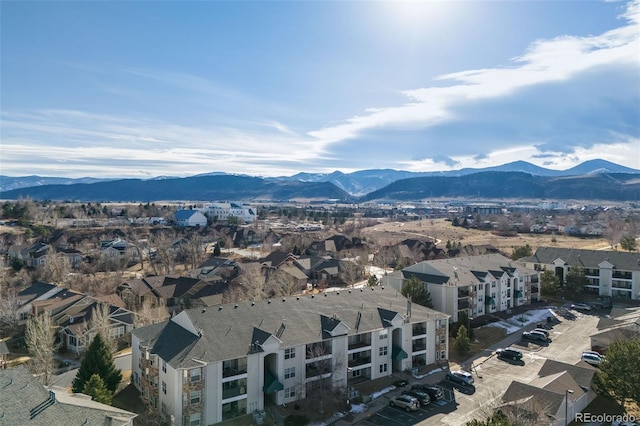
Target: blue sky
(142, 89)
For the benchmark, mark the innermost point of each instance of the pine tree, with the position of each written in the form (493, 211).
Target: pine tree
(97, 389)
(98, 360)
(462, 341)
(416, 289)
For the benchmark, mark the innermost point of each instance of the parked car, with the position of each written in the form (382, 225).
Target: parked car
(535, 335)
(542, 330)
(509, 353)
(422, 397)
(400, 383)
(434, 392)
(461, 377)
(407, 402)
(581, 307)
(593, 358)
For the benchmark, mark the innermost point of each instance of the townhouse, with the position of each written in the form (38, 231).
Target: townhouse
(477, 285)
(609, 273)
(208, 365)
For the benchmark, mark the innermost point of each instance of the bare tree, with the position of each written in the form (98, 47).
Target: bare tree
(250, 284)
(39, 338)
(195, 251)
(56, 268)
(164, 256)
(101, 323)
(9, 307)
(149, 314)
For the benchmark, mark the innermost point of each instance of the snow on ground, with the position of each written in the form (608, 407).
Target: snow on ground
(359, 408)
(382, 392)
(515, 323)
(437, 370)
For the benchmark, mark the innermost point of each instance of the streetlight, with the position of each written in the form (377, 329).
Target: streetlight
(566, 406)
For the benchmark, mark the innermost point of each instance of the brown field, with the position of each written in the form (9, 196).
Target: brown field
(441, 230)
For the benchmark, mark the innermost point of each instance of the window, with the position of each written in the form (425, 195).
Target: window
(192, 420)
(384, 334)
(164, 387)
(383, 368)
(480, 287)
(195, 375)
(493, 285)
(73, 341)
(289, 372)
(384, 350)
(356, 373)
(194, 397)
(289, 392)
(289, 353)
(164, 366)
(117, 332)
(442, 355)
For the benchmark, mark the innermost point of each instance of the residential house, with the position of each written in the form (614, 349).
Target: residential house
(559, 392)
(73, 256)
(118, 248)
(477, 285)
(208, 365)
(173, 292)
(72, 313)
(320, 269)
(33, 255)
(25, 401)
(35, 292)
(609, 273)
(190, 218)
(218, 268)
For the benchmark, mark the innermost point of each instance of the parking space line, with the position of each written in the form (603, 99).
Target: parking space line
(389, 418)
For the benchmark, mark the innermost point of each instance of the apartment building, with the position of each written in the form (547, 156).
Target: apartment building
(222, 211)
(208, 365)
(477, 285)
(608, 273)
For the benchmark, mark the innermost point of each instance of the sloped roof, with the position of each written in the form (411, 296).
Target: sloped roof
(22, 393)
(543, 399)
(34, 291)
(185, 214)
(581, 372)
(467, 270)
(585, 258)
(276, 258)
(234, 324)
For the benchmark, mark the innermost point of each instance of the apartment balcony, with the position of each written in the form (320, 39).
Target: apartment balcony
(317, 369)
(319, 350)
(419, 345)
(463, 304)
(234, 367)
(419, 330)
(357, 362)
(234, 388)
(534, 290)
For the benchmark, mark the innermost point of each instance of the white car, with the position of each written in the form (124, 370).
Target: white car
(581, 307)
(592, 358)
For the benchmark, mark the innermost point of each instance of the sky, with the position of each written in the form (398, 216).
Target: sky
(273, 88)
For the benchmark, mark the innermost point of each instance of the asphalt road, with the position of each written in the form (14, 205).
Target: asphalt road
(493, 376)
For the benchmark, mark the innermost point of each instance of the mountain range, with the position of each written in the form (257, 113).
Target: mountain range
(594, 179)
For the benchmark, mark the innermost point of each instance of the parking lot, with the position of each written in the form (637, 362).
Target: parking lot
(570, 337)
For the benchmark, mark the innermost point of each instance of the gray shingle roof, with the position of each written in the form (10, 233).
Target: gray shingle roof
(22, 393)
(229, 330)
(585, 258)
(582, 372)
(464, 271)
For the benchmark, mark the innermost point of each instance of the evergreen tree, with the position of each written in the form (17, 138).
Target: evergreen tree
(628, 243)
(373, 281)
(461, 344)
(576, 280)
(619, 374)
(549, 283)
(216, 250)
(521, 251)
(416, 289)
(98, 360)
(97, 389)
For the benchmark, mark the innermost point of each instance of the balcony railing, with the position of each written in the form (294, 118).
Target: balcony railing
(359, 344)
(463, 304)
(419, 330)
(230, 372)
(417, 347)
(360, 361)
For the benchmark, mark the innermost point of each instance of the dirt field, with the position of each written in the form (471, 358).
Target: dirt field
(443, 231)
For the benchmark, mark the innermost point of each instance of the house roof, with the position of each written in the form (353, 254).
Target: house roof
(25, 401)
(585, 258)
(276, 258)
(301, 316)
(186, 214)
(34, 291)
(464, 271)
(540, 398)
